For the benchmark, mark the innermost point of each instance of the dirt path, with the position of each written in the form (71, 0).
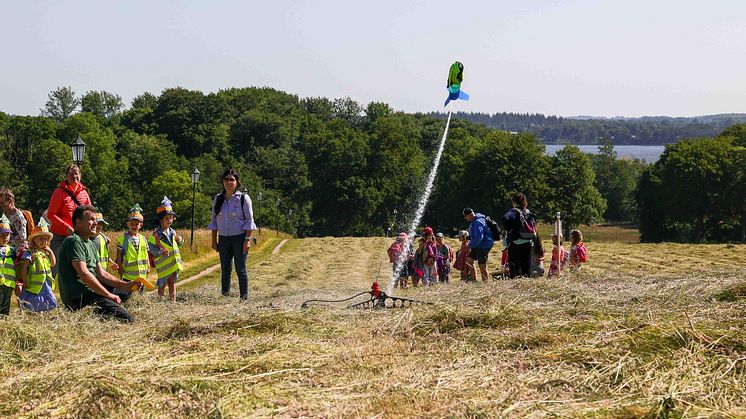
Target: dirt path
(204, 272)
(277, 248)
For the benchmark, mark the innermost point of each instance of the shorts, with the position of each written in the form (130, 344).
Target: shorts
(480, 254)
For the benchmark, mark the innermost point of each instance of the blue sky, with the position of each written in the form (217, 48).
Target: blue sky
(601, 58)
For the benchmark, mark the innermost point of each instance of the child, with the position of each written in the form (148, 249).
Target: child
(132, 251)
(578, 251)
(428, 252)
(537, 258)
(394, 252)
(559, 257)
(36, 271)
(7, 267)
(101, 244)
(461, 254)
(444, 257)
(164, 246)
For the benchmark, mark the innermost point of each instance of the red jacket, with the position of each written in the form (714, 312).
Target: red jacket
(61, 207)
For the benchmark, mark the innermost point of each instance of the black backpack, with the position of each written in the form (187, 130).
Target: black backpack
(494, 228)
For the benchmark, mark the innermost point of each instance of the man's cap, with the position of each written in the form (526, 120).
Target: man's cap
(439, 235)
(468, 211)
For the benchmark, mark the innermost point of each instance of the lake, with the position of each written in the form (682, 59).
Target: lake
(649, 153)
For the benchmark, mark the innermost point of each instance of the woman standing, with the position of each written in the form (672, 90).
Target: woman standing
(520, 223)
(67, 196)
(232, 225)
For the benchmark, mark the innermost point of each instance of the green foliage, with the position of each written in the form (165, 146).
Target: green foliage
(695, 192)
(45, 172)
(102, 104)
(61, 104)
(616, 180)
(178, 187)
(571, 189)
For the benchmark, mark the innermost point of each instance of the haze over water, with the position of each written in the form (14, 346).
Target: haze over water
(649, 153)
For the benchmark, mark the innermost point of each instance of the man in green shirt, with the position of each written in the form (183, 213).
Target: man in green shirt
(81, 276)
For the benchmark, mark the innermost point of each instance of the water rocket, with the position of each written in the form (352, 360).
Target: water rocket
(453, 85)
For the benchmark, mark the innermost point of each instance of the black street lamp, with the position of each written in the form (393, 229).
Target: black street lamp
(78, 148)
(277, 204)
(195, 178)
(290, 221)
(259, 219)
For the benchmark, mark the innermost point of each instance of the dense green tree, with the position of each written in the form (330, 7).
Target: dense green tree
(178, 187)
(616, 180)
(45, 171)
(101, 103)
(571, 189)
(61, 104)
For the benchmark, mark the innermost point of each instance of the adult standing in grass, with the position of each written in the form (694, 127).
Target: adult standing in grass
(67, 196)
(520, 223)
(82, 278)
(480, 243)
(232, 225)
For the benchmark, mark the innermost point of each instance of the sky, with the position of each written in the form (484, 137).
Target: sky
(575, 57)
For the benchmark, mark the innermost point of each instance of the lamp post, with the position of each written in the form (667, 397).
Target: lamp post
(290, 221)
(277, 204)
(195, 178)
(259, 220)
(78, 148)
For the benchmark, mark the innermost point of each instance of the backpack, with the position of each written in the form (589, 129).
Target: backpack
(528, 224)
(494, 228)
(29, 221)
(581, 252)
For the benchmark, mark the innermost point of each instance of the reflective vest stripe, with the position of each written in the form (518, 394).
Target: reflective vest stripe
(103, 252)
(7, 269)
(167, 265)
(135, 259)
(41, 270)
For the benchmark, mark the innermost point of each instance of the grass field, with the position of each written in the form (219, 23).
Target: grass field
(644, 331)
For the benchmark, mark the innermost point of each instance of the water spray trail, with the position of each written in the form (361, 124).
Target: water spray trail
(420, 208)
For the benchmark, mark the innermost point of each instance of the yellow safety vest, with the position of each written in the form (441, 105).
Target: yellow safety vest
(39, 271)
(8, 268)
(165, 266)
(134, 259)
(103, 251)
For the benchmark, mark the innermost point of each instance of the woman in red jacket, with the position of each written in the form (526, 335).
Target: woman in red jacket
(66, 197)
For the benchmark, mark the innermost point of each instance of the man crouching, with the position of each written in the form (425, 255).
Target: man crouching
(81, 276)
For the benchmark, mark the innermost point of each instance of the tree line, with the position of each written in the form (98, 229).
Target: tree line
(621, 131)
(322, 166)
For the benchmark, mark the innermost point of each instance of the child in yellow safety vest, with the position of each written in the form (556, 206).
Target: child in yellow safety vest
(7, 267)
(35, 269)
(132, 250)
(164, 246)
(101, 244)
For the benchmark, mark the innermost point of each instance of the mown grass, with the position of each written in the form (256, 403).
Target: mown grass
(645, 331)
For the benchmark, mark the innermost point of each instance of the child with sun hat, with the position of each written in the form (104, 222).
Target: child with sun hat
(35, 269)
(164, 246)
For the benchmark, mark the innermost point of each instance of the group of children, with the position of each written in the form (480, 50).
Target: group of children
(28, 274)
(431, 262)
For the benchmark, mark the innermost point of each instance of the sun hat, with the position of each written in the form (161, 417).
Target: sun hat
(427, 230)
(100, 218)
(439, 235)
(41, 229)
